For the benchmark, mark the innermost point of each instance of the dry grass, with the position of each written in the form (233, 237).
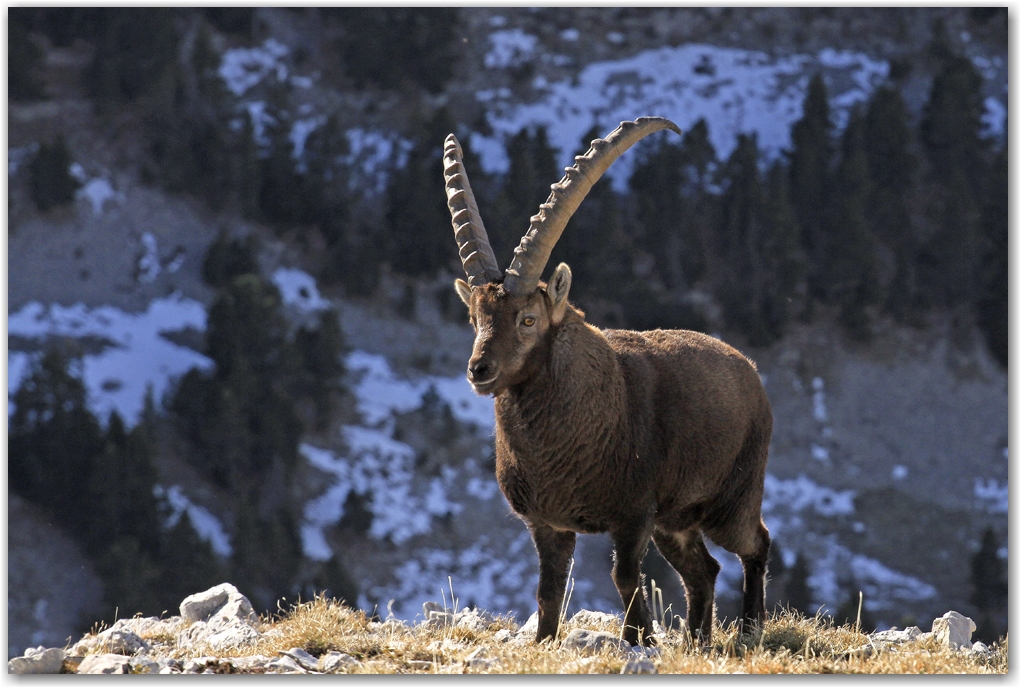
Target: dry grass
(790, 643)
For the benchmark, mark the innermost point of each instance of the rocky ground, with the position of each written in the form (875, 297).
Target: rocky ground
(217, 632)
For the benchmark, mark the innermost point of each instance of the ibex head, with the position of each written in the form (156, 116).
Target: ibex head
(513, 312)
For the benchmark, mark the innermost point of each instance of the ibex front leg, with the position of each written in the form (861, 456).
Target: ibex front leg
(630, 547)
(555, 549)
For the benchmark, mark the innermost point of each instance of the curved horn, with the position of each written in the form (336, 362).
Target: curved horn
(475, 252)
(531, 256)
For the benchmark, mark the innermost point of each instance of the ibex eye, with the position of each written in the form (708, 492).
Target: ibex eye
(528, 321)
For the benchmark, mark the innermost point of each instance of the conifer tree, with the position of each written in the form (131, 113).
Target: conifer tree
(757, 247)
(798, 593)
(950, 133)
(669, 189)
(418, 220)
(135, 49)
(595, 245)
(188, 562)
(228, 258)
(850, 260)
(892, 168)
(810, 176)
(54, 440)
(23, 60)
(50, 181)
(990, 590)
(993, 301)
(525, 186)
(333, 581)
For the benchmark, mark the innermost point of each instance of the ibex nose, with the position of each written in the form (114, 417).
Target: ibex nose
(481, 371)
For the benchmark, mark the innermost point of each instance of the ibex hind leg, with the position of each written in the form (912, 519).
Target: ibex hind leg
(687, 553)
(751, 542)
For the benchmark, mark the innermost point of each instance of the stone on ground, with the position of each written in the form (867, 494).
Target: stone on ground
(37, 661)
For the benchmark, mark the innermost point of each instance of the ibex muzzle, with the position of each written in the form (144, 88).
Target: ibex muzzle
(659, 436)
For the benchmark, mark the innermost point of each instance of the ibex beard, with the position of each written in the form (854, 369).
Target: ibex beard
(659, 435)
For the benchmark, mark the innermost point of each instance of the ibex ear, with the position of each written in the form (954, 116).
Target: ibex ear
(558, 288)
(464, 291)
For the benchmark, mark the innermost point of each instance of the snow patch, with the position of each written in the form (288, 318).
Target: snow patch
(736, 91)
(510, 48)
(381, 393)
(799, 494)
(137, 357)
(481, 574)
(373, 154)
(243, 68)
(298, 290)
(991, 496)
(207, 526)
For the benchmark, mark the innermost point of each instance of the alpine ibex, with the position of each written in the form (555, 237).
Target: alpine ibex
(659, 435)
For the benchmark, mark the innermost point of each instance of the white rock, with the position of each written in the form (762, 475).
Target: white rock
(104, 664)
(584, 617)
(531, 626)
(592, 642)
(303, 658)
(218, 605)
(480, 660)
(953, 630)
(503, 635)
(334, 661)
(111, 641)
(284, 664)
(638, 664)
(37, 661)
(142, 665)
(897, 636)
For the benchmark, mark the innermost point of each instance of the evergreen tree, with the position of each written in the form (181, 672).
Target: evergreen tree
(54, 440)
(810, 176)
(850, 261)
(892, 168)
(228, 258)
(846, 613)
(757, 247)
(333, 581)
(393, 47)
(136, 48)
(673, 205)
(23, 60)
(798, 593)
(121, 490)
(420, 234)
(525, 186)
(189, 563)
(266, 554)
(993, 300)
(990, 590)
(50, 181)
(320, 350)
(282, 193)
(595, 245)
(950, 133)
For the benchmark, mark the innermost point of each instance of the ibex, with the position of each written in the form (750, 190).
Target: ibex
(659, 435)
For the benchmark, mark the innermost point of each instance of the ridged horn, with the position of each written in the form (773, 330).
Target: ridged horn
(475, 252)
(531, 256)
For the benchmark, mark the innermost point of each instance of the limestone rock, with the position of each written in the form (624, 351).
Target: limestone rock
(531, 626)
(594, 618)
(37, 661)
(334, 661)
(105, 664)
(220, 604)
(953, 630)
(111, 641)
(592, 642)
(143, 665)
(284, 664)
(303, 658)
(480, 660)
(638, 665)
(909, 634)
